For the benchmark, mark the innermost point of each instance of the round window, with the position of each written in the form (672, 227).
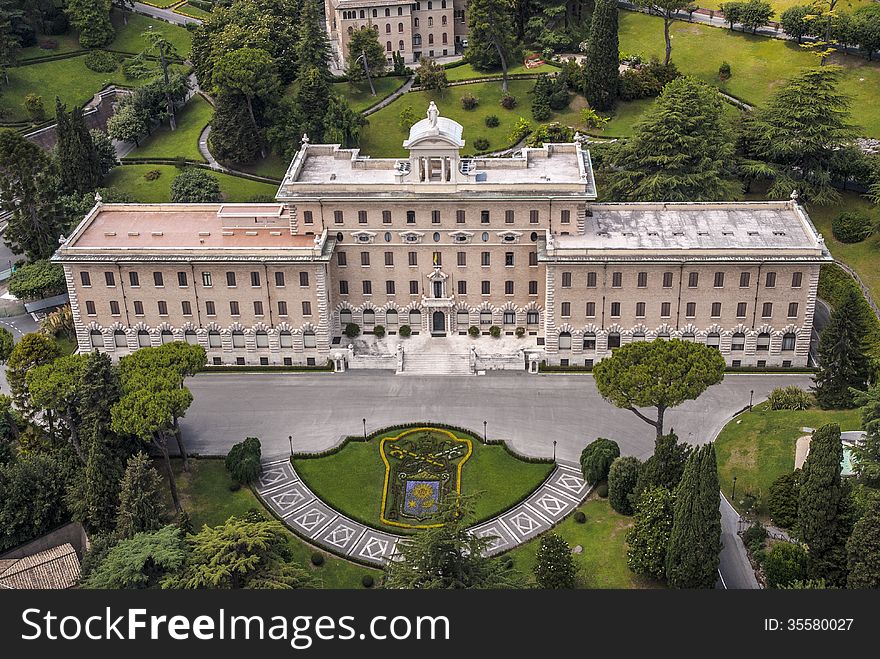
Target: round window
(387, 236)
(339, 237)
(436, 236)
(485, 236)
(534, 236)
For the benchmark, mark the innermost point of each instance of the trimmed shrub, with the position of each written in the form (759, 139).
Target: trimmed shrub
(100, 61)
(481, 144)
(852, 227)
(580, 517)
(782, 502)
(724, 71)
(33, 105)
(541, 111)
(508, 102)
(405, 331)
(367, 581)
(646, 80)
(597, 457)
(379, 331)
(243, 460)
(317, 559)
(469, 101)
(602, 491)
(622, 478)
(520, 332)
(789, 398)
(152, 175)
(195, 186)
(473, 331)
(234, 486)
(492, 121)
(352, 330)
(784, 563)
(495, 331)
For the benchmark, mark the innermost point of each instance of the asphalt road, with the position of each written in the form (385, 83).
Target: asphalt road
(19, 326)
(736, 571)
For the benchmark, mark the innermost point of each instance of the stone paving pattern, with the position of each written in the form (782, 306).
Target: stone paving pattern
(281, 489)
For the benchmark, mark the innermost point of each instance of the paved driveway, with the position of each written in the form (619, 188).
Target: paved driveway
(528, 411)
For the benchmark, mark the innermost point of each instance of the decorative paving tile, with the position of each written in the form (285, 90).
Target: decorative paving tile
(310, 520)
(289, 498)
(341, 535)
(502, 540)
(374, 546)
(568, 482)
(524, 522)
(550, 504)
(274, 476)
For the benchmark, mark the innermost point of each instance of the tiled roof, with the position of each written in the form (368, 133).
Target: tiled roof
(54, 568)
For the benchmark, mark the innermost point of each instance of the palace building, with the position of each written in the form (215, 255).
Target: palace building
(432, 28)
(442, 243)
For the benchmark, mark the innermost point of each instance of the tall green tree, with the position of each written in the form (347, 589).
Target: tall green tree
(54, 387)
(824, 507)
(449, 557)
(623, 477)
(667, 9)
(7, 343)
(694, 550)
(31, 352)
(195, 186)
(491, 37)
(863, 550)
(648, 539)
(155, 62)
(342, 125)
(797, 22)
(92, 19)
(843, 362)
(601, 64)
(681, 151)
(866, 28)
(10, 41)
(659, 374)
(310, 99)
(141, 561)
(312, 44)
(141, 499)
(79, 165)
(866, 453)
(363, 45)
(31, 497)
(665, 466)
(233, 138)
(554, 565)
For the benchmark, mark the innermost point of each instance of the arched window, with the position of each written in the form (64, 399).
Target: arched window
(309, 340)
(415, 318)
(638, 336)
(388, 46)
(286, 339)
(430, 21)
(462, 318)
(532, 318)
(565, 340)
(191, 337)
(344, 317)
(689, 337)
(442, 4)
(238, 339)
(509, 318)
(663, 335)
(387, 11)
(400, 45)
(485, 317)
(214, 340)
(362, 13)
(443, 37)
(391, 317)
(416, 21)
(417, 39)
(167, 336)
(350, 30)
(589, 340)
(788, 341)
(387, 28)
(97, 338)
(763, 343)
(262, 339)
(443, 20)
(400, 11)
(400, 27)
(713, 340)
(369, 317)
(143, 338)
(430, 39)
(738, 342)
(376, 12)
(613, 340)
(119, 339)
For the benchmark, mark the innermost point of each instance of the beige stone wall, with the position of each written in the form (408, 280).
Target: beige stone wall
(436, 28)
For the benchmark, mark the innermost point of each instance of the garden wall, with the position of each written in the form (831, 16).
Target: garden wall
(95, 114)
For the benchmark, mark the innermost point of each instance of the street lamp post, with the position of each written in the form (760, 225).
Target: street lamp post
(733, 492)
(554, 450)
(485, 440)
(751, 394)
(365, 429)
(290, 441)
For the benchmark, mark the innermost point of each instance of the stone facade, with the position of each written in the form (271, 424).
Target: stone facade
(441, 243)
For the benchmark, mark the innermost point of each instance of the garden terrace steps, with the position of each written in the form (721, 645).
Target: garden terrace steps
(436, 363)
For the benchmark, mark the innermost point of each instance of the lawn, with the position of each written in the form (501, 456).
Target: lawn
(780, 6)
(602, 563)
(128, 37)
(272, 166)
(758, 446)
(187, 9)
(183, 142)
(759, 64)
(384, 136)
(501, 479)
(358, 94)
(468, 72)
(205, 495)
(130, 178)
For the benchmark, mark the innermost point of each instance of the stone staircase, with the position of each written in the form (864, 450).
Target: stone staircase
(436, 363)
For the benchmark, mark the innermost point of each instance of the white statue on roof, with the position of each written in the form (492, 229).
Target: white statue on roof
(433, 113)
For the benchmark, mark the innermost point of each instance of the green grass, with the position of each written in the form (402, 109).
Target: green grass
(758, 446)
(130, 40)
(162, 4)
(165, 143)
(187, 9)
(66, 344)
(352, 479)
(358, 94)
(130, 178)
(272, 166)
(780, 6)
(67, 43)
(467, 72)
(759, 64)
(602, 563)
(205, 495)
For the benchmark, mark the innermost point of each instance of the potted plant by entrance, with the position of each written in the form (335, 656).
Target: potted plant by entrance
(473, 331)
(495, 331)
(520, 332)
(379, 331)
(405, 331)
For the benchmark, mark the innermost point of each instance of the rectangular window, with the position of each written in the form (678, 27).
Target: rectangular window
(255, 279)
(181, 279)
(615, 309)
(591, 280)
(771, 280)
(566, 280)
(307, 308)
(233, 308)
(508, 217)
(797, 279)
(693, 279)
(110, 278)
(508, 259)
(533, 287)
(484, 287)
(279, 279)
(508, 287)
(484, 258)
(642, 280)
(690, 310)
(90, 308)
(719, 280)
(566, 309)
(462, 287)
(114, 308)
(362, 217)
(386, 217)
(337, 217)
(591, 309)
(368, 287)
(282, 308)
(792, 309)
(667, 280)
(389, 287)
(158, 280)
(410, 217)
(85, 278)
(640, 309)
(533, 258)
(484, 217)
(134, 279)
(343, 287)
(186, 308)
(716, 310)
(565, 216)
(414, 287)
(616, 279)
(665, 309)
(207, 282)
(139, 307)
(258, 308)
(437, 258)
(230, 279)
(741, 310)
(163, 308)
(365, 258)
(303, 279)
(459, 216)
(308, 218)
(413, 258)
(744, 278)
(341, 259)
(435, 217)
(210, 309)
(461, 258)
(533, 217)
(389, 258)
(767, 310)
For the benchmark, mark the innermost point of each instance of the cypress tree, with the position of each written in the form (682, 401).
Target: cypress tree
(695, 542)
(554, 566)
(843, 362)
(825, 508)
(79, 164)
(648, 539)
(311, 100)
(141, 498)
(863, 550)
(233, 136)
(602, 57)
(312, 46)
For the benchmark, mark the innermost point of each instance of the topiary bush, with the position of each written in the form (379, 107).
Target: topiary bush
(622, 478)
(724, 71)
(495, 331)
(852, 227)
(405, 331)
(789, 398)
(317, 559)
(580, 517)
(508, 102)
(602, 490)
(100, 61)
(195, 186)
(367, 581)
(782, 502)
(597, 457)
(469, 101)
(481, 144)
(492, 121)
(33, 105)
(352, 330)
(379, 331)
(542, 111)
(473, 331)
(234, 486)
(243, 460)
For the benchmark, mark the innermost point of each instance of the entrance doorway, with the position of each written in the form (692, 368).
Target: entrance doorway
(438, 323)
